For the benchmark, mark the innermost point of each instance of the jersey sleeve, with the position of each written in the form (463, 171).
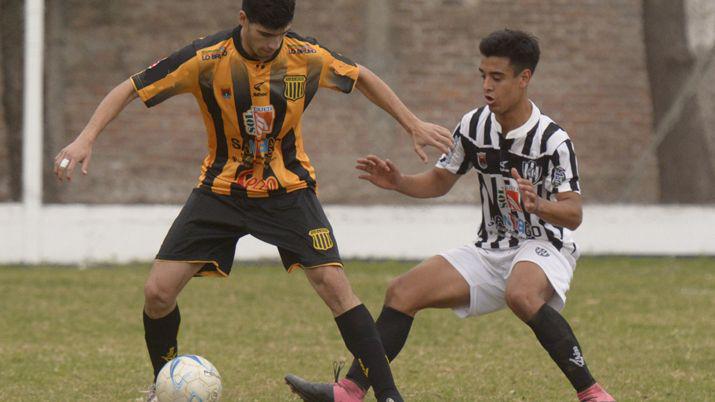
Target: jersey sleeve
(168, 77)
(563, 176)
(456, 160)
(339, 73)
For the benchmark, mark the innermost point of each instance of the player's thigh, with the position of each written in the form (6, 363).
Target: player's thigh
(539, 273)
(167, 278)
(432, 283)
(297, 225)
(528, 279)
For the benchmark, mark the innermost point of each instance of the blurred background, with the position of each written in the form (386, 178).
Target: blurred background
(632, 82)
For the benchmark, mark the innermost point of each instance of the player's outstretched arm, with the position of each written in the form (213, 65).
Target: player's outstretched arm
(566, 212)
(80, 150)
(435, 182)
(423, 133)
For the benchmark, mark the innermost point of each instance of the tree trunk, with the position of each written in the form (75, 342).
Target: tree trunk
(686, 172)
(11, 73)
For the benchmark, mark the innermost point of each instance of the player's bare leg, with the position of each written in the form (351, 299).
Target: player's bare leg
(358, 331)
(527, 292)
(161, 313)
(432, 283)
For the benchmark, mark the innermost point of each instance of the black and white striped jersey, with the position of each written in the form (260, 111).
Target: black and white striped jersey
(541, 152)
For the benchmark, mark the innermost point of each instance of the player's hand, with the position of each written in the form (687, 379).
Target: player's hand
(382, 173)
(529, 197)
(79, 151)
(428, 134)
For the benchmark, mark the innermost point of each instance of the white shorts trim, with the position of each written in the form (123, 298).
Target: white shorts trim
(487, 271)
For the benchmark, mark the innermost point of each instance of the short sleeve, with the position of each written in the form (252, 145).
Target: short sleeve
(339, 73)
(171, 76)
(456, 160)
(563, 176)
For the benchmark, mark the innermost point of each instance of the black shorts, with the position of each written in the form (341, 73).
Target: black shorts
(209, 226)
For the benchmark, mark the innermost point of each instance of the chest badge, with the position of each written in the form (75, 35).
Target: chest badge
(482, 159)
(294, 87)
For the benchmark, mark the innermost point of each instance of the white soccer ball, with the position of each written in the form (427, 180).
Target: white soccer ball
(188, 378)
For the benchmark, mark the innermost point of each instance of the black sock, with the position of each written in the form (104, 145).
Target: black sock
(363, 341)
(394, 327)
(160, 336)
(556, 336)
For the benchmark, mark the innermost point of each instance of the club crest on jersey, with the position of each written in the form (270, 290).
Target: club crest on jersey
(531, 171)
(321, 239)
(294, 87)
(482, 159)
(259, 121)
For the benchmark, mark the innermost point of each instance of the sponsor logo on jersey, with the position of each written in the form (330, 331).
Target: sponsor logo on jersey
(247, 180)
(257, 90)
(531, 171)
(558, 177)
(509, 198)
(294, 87)
(504, 166)
(301, 50)
(482, 159)
(214, 54)
(321, 239)
(259, 121)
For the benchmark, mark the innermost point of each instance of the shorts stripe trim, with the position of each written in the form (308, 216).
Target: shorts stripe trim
(327, 264)
(218, 273)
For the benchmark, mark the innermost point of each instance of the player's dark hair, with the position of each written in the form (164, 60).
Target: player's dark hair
(272, 14)
(521, 48)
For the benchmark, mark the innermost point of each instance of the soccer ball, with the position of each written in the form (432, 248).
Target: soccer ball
(188, 378)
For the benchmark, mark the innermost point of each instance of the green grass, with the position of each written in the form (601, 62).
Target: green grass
(646, 326)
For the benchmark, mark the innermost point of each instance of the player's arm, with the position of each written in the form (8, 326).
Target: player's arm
(80, 150)
(422, 133)
(435, 182)
(566, 211)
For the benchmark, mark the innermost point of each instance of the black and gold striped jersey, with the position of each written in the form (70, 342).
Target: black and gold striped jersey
(252, 109)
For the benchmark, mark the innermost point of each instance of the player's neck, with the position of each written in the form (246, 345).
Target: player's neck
(514, 117)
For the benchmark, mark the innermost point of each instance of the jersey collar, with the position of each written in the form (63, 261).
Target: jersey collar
(242, 51)
(522, 130)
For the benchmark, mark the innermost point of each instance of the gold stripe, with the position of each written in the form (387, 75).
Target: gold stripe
(218, 272)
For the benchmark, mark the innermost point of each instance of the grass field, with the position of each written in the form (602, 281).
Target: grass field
(646, 326)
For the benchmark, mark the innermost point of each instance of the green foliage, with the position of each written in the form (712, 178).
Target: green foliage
(76, 335)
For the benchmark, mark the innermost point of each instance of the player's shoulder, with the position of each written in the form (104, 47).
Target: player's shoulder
(472, 119)
(298, 44)
(551, 134)
(213, 41)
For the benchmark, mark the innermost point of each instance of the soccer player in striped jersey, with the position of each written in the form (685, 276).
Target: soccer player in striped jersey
(525, 256)
(252, 85)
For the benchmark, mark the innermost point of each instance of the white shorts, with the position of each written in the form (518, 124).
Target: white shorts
(486, 271)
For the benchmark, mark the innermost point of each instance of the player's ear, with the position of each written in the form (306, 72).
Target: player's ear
(525, 78)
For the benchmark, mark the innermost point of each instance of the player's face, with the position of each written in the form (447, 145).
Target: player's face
(503, 89)
(260, 42)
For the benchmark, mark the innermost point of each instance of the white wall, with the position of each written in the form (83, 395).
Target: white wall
(80, 234)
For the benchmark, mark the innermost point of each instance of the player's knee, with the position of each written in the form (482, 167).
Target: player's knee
(523, 303)
(397, 296)
(157, 298)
